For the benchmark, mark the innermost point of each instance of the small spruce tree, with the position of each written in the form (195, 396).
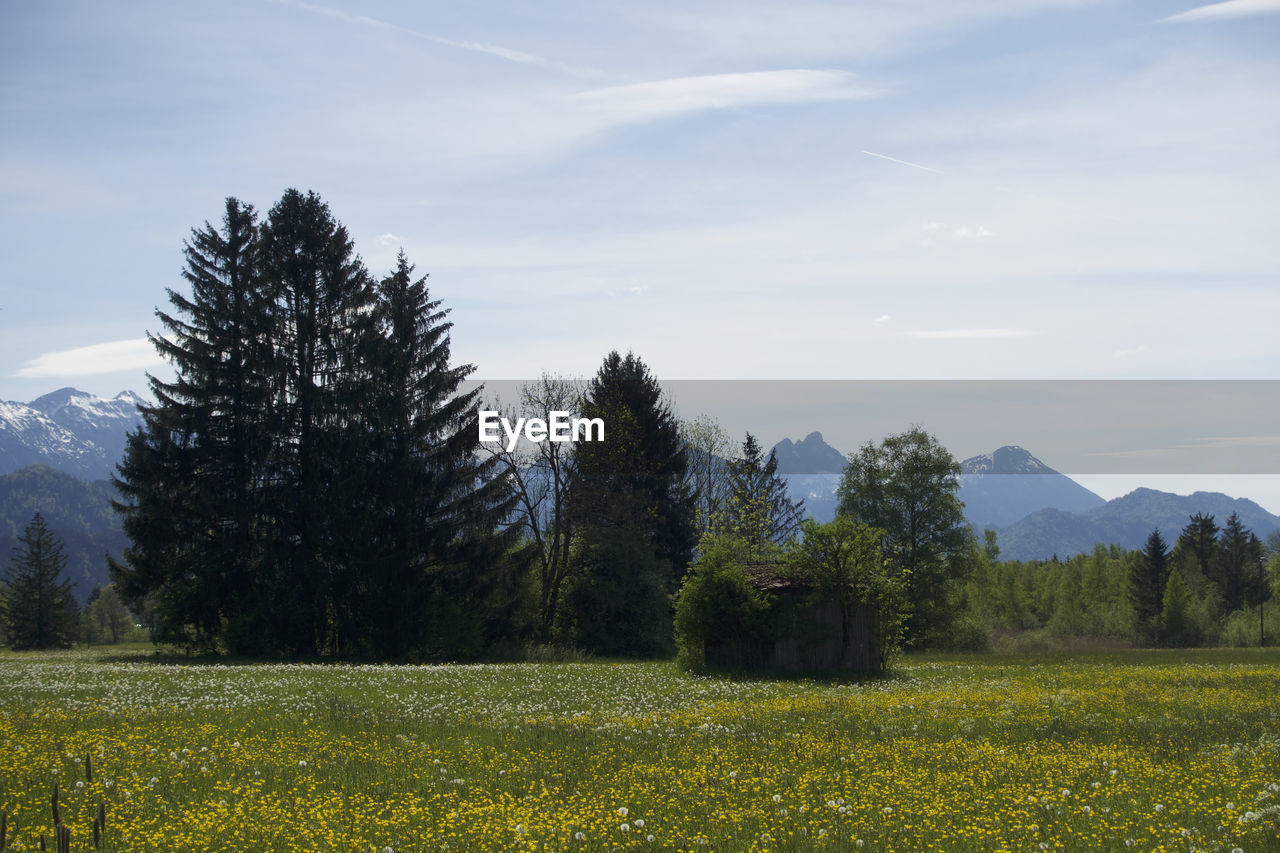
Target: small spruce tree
(40, 611)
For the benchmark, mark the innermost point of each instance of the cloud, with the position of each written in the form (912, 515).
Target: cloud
(882, 320)
(680, 95)
(1230, 10)
(509, 54)
(964, 232)
(903, 162)
(388, 239)
(1132, 351)
(970, 334)
(109, 357)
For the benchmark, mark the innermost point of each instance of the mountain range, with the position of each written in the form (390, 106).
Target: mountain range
(1036, 511)
(69, 430)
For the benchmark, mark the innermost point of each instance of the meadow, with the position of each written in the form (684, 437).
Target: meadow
(1125, 751)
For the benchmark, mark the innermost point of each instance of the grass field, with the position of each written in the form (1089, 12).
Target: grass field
(1139, 750)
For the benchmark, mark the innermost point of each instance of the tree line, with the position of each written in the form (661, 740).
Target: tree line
(310, 482)
(1214, 586)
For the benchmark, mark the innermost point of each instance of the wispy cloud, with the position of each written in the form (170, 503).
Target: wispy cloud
(882, 320)
(904, 162)
(109, 357)
(665, 98)
(970, 334)
(1229, 10)
(509, 54)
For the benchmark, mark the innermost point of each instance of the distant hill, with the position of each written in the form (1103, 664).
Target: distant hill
(69, 430)
(811, 455)
(1125, 521)
(997, 488)
(78, 513)
(1002, 487)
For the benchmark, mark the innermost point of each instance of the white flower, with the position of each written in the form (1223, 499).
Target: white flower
(1159, 807)
(302, 764)
(625, 827)
(622, 811)
(79, 785)
(733, 774)
(579, 836)
(859, 844)
(640, 823)
(649, 838)
(888, 809)
(777, 798)
(520, 829)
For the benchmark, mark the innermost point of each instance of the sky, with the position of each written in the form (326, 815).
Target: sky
(926, 189)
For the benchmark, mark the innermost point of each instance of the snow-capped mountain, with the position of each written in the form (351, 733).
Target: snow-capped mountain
(1001, 487)
(69, 430)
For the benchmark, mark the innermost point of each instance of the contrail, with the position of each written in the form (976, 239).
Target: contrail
(903, 162)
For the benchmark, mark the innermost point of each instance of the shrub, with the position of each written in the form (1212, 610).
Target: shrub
(718, 604)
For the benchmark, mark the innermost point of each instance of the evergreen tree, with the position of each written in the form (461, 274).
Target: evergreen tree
(633, 515)
(1196, 552)
(426, 498)
(1177, 627)
(39, 608)
(218, 340)
(759, 508)
(907, 487)
(307, 485)
(1147, 584)
(1237, 571)
(324, 300)
(636, 476)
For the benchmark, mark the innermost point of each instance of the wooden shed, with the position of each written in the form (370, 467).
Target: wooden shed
(808, 632)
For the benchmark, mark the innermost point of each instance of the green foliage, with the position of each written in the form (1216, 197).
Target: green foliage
(78, 513)
(907, 487)
(39, 610)
(758, 509)
(844, 561)
(616, 603)
(1147, 584)
(1178, 628)
(104, 618)
(307, 484)
(637, 476)
(718, 605)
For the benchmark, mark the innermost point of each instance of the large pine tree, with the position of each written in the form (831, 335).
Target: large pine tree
(633, 516)
(306, 485)
(422, 554)
(324, 307)
(208, 429)
(39, 608)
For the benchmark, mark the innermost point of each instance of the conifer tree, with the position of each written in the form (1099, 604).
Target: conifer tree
(324, 314)
(633, 513)
(207, 431)
(637, 476)
(759, 508)
(39, 609)
(430, 508)
(1238, 571)
(1147, 584)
